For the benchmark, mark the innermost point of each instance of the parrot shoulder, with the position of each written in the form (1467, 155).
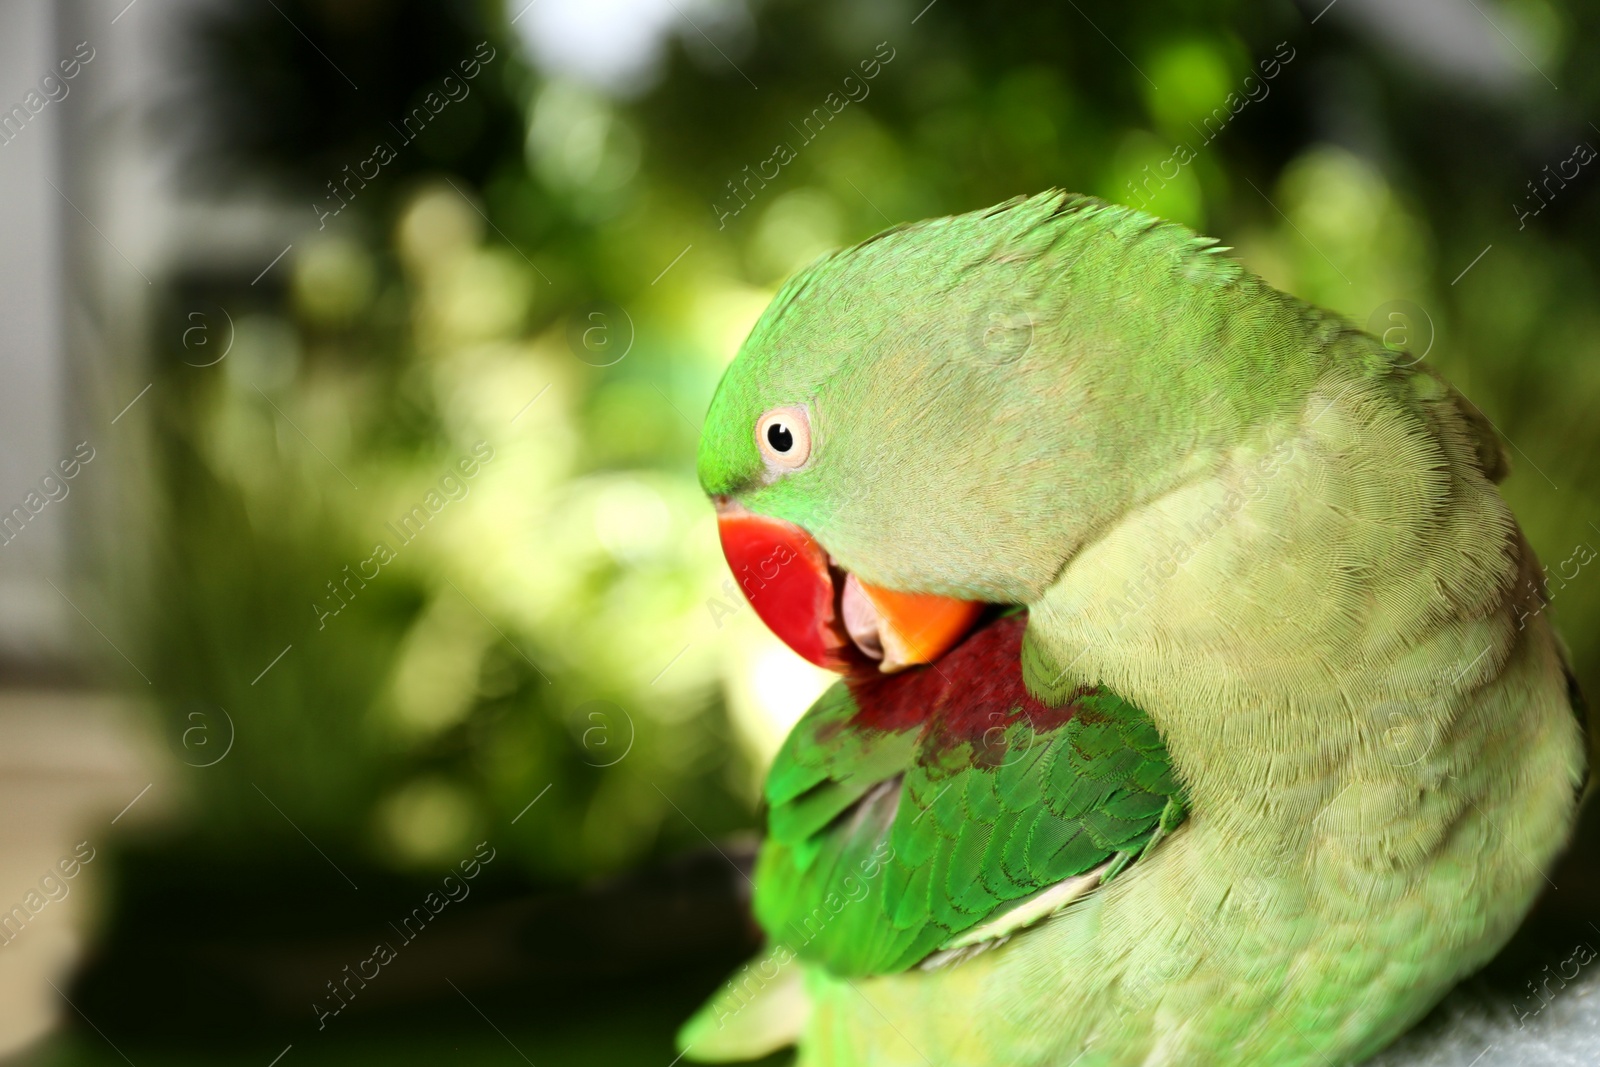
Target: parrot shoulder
(944, 809)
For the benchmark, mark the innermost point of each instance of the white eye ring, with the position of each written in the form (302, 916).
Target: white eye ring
(784, 437)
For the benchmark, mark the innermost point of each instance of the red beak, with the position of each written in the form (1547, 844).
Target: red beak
(786, 576)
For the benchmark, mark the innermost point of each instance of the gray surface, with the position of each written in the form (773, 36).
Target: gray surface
(1478, 1026)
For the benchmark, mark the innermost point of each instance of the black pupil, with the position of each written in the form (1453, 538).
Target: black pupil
(779, 437)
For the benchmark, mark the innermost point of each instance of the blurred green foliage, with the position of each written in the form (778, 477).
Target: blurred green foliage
(448, 306)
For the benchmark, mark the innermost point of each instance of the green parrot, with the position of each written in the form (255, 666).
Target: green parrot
(1199, 705)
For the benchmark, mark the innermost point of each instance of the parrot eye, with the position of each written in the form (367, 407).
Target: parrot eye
(784, 437)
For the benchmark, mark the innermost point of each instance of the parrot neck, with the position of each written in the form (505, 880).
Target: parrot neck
(1348, 572)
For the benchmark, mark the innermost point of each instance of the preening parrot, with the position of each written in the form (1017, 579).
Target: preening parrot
(1199, 706)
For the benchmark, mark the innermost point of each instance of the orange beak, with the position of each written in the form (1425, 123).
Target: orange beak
(789, 580)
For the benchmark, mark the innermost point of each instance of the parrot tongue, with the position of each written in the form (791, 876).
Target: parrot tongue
(832, 618)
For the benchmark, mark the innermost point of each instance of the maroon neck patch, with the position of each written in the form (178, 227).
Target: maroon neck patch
(972, 695)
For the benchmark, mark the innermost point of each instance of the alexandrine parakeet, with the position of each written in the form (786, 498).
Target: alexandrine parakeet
(1200, 707)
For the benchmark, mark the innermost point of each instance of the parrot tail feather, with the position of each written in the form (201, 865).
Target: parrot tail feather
(752, 1015)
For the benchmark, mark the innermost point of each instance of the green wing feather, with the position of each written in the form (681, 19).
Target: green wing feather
(886, 842)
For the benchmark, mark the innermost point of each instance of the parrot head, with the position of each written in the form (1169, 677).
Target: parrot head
(934, 420)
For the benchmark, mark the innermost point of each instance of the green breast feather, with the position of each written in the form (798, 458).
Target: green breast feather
(907, 811)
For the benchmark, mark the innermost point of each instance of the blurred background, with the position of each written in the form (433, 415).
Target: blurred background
(355, 587)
